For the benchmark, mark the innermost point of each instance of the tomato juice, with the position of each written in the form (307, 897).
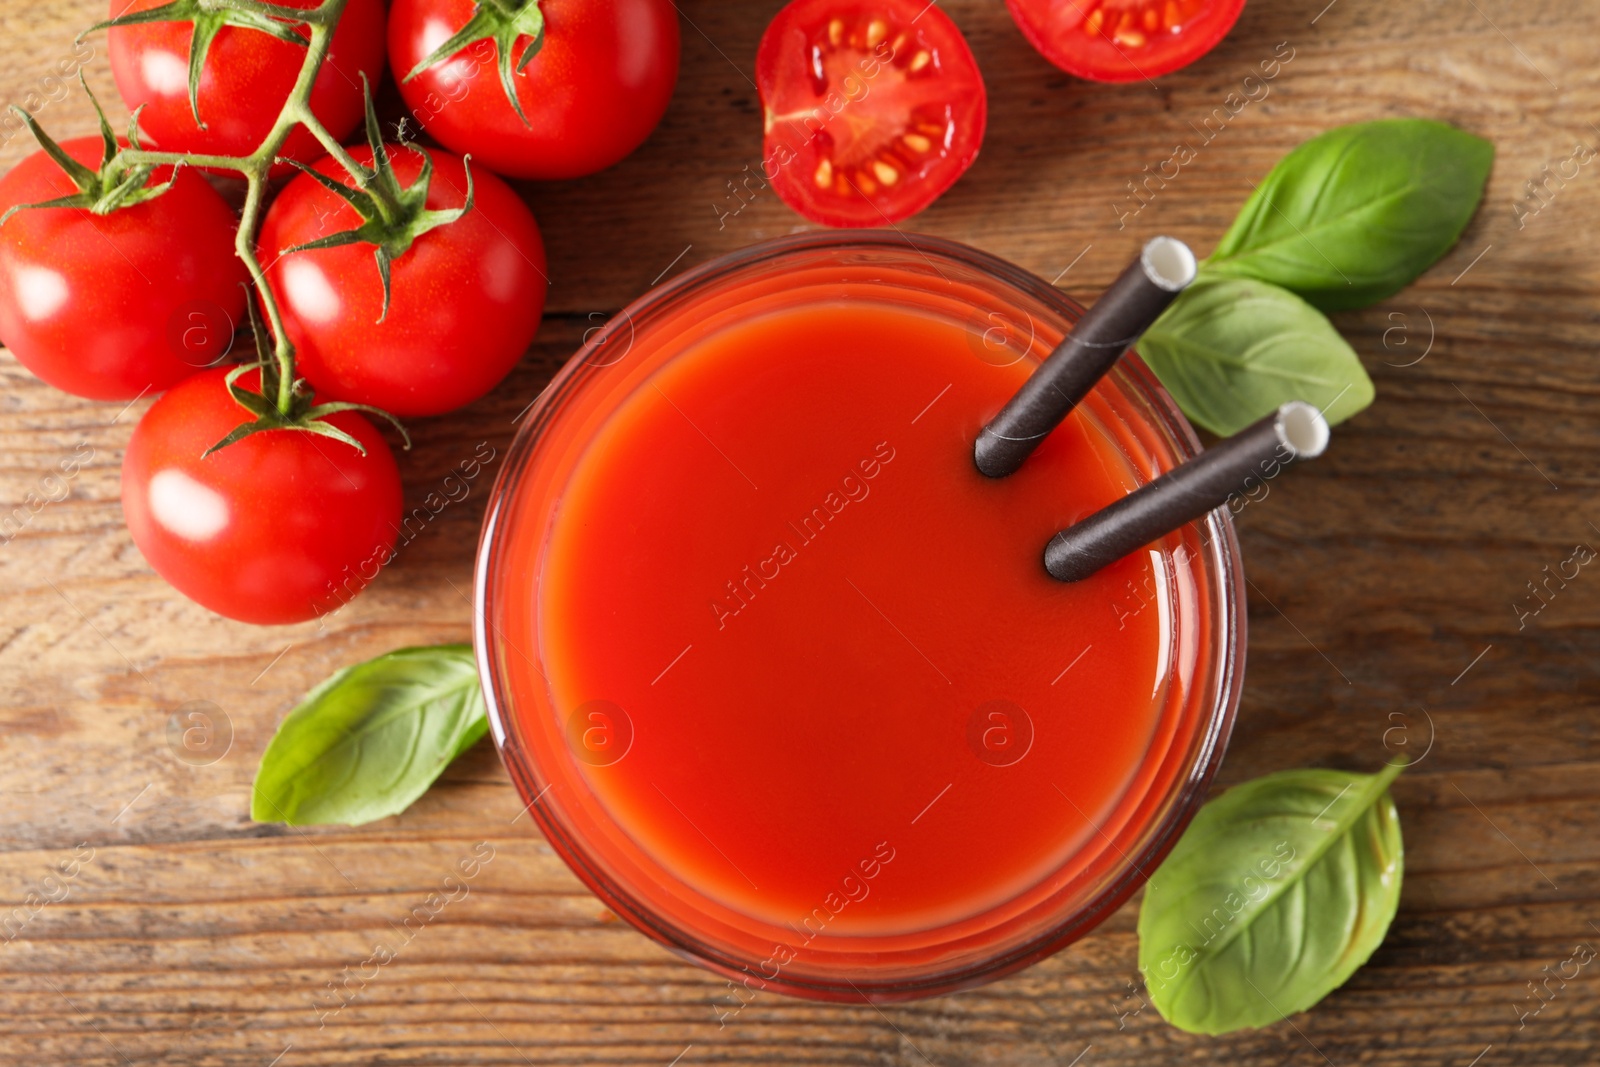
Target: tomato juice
(782, 675)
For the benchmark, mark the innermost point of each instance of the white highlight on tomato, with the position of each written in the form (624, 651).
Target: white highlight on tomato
(435, 32)
(500, 272)
(463, 65)
(187, 508)
(635, 56)
(165, 73)
(40, 292)
(310, 293)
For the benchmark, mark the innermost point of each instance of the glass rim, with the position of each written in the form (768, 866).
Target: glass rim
(1220, 561)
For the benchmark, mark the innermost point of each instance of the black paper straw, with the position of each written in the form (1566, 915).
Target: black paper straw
(1164, 269)
(1295, 431)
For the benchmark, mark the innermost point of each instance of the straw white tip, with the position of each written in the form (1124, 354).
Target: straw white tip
(1302, 429)
(1168, 262)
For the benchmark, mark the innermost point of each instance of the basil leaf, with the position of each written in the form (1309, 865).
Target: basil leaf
(371, 739)
(1277, 892)
(1231, 350)
(1352, 216)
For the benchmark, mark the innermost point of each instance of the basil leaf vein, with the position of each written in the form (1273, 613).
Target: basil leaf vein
(1279, 890)
(371, 739)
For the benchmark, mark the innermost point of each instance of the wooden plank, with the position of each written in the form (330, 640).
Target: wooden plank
(1385, 583)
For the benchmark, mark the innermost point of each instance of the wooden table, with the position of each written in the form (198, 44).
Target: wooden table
(1386, 580)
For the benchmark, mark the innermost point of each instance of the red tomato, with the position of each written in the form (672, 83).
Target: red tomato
(1124, 40)
(114, 306)
(465, 298)
(279, 527)
(592, 94)
(871, 111)
(246, 78)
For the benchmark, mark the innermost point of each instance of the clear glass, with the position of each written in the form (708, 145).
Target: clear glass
(1012, 315)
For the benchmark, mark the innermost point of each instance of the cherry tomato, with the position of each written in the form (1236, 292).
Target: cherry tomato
(278, 527)
(1124, 40)
(247, 76)
(113, 306)
(871, 111)
(593, 92)
(465, 298)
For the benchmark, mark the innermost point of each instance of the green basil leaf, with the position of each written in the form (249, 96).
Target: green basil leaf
(1352, 216)
(1280, 889)
(1230, 350)
(371, 739)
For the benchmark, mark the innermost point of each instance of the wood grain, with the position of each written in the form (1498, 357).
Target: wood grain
(1384, 579)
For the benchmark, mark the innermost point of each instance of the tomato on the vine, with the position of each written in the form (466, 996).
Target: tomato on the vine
(871, 111)
(1124, 40)
(247, 76)
(116, 305)
(465, 301)
(596, 84)
(278, 527)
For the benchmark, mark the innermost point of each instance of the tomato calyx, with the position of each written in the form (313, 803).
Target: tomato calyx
(504, 22)
(304, 414)
(101, 191)
(393, 216)
(208, 17)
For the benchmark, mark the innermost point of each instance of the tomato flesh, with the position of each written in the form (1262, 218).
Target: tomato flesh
(870, 112)
(1124, 40)
(279, 527)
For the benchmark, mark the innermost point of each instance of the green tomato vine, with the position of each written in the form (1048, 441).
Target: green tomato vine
(393, 216)
(255, 168)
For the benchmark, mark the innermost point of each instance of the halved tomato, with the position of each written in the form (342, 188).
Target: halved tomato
(1124, 40)
(872, 110)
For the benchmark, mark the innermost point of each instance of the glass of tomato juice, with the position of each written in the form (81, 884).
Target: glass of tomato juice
(782, 676)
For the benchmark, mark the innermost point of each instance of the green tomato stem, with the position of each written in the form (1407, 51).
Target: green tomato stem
(256, 168)
(150, 157)
(295, 110)
(359, 174)
(311, 17)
